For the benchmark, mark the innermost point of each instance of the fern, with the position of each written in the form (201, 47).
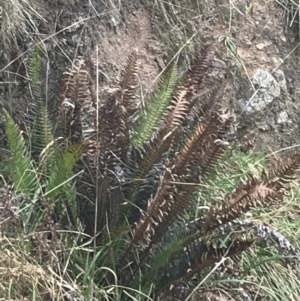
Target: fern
(41, 125)
(61, 170)
(24, 173)
(150, 117)
(156, 161)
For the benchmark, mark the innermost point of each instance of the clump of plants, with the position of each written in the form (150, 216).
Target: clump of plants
(113, 185)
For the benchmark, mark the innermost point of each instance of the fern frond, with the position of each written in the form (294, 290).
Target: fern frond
(129, 84)
(200, 67)
(79, 103)
(145, 228)
(35, 73)
(182, 102)
(254, 194)
(201, 255)
(24, 175)
(112, 133)
(41, 128)
(150, 117)
(61, 170)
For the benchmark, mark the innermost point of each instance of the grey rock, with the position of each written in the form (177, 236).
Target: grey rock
(267, 89)
(219, 64)
(283, 117)
(280, 78)
(266, 83)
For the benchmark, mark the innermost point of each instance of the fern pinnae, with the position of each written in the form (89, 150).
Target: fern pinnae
(24, 175)
(154, 215)
(255, 193)
(129, 84)
(150, 116)
(41, 128)
(62, 168)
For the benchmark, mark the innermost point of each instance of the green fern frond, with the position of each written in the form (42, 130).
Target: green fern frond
(24, 173)
(61, 170)
(152, 114)
(35, 72)
(42, 129)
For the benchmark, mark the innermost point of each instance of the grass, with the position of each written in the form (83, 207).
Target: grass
(18, 18)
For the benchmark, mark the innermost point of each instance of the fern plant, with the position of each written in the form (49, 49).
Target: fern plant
(40, 166)
(146, 165)
(141, 168)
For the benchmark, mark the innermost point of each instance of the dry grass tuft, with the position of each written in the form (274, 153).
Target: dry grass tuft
(22, 277)
(17, 18)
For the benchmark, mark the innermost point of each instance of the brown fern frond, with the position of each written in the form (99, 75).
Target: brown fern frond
(203, 254)
(156, 212)
(200, 67)
(285, 170)
(208, 99)
(109, 198)
(129, 84)
(182, 102)
(77, 84)
(255, 193)
(78, 103)
(177, 111)
(201, 147)
(125, 105)
(212, 150)
(111, 133)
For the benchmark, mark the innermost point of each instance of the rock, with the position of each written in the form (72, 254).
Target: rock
(282, 117)
(263, 126)
(266, 83)
(280, 78)
(219, 64)
(267, 89)
(261, 46)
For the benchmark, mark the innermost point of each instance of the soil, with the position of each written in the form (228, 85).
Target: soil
(106, 31)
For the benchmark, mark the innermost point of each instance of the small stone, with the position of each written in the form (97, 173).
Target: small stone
(260, 46)
(280, 78)
(282, 117)
(218, 64)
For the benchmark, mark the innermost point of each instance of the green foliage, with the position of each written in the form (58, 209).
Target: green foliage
(59, 176)
(24, 173)
(41, 167)
(150, 117)
(41, 126)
